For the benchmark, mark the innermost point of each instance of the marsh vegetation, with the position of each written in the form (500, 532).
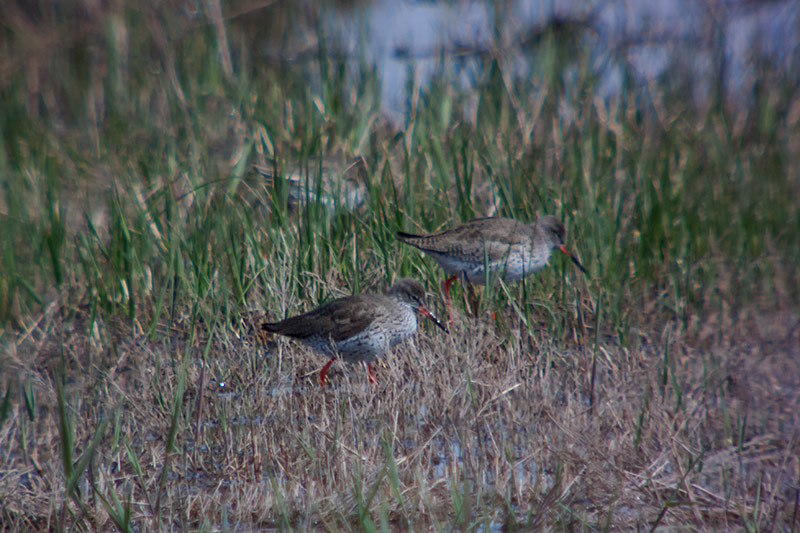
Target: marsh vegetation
(140, 248)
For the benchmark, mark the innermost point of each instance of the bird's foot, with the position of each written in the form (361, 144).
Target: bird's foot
(324, 371)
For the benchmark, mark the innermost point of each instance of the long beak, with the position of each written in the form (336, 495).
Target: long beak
(574, 259)
(428, 314)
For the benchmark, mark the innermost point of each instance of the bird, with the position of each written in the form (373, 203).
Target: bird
(361, 327)
(508, 248)
(327, 182)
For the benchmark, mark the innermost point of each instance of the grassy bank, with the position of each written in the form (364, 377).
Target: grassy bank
(140, 249)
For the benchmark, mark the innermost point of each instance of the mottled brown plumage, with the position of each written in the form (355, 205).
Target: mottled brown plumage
(491, 247)
(361, 327)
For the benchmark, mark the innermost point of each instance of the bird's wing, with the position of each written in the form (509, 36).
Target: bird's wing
(337, 320)
(497, 234)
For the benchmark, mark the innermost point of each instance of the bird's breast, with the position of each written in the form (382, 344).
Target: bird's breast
(400, 326)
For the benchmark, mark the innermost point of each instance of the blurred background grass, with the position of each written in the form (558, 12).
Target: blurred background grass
(128, 138)
(129, 194)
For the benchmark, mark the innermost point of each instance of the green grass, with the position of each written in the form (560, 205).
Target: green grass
(138, 249)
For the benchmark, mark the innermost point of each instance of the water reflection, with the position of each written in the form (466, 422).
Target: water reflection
(716, 44)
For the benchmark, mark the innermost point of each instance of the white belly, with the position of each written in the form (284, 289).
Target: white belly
(374, 341)
(517, 264)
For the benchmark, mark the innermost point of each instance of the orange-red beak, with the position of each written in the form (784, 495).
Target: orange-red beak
(563, 248)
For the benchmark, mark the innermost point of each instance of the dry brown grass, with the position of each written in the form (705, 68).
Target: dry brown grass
(484, 426)
(133, 236)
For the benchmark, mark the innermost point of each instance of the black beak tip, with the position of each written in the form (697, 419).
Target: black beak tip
(434, 319)
(578, 264)
(440, 325)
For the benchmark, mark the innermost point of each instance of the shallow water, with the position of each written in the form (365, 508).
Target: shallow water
(427, 38)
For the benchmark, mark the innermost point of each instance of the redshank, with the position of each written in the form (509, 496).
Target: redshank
(509, 248)
(361, 327)
(327, 182)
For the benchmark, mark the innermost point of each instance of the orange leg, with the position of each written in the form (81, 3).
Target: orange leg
(449, 281)
(446, 288)
(325, 371)
(371, 374)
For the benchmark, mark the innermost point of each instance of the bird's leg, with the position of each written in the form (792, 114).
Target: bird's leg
(446, 288)
(371, 374)
(325, 371)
